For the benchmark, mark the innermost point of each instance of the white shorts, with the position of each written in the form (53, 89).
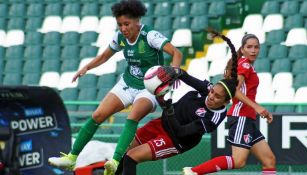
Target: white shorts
(129, 95)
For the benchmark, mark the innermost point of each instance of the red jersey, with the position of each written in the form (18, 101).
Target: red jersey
(248, 88)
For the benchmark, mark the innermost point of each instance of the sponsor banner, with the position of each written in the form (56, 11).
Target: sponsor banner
(286, 135)
(40, 121)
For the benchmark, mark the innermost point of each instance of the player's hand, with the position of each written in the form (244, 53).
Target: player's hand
(268, 117)
(79, 74)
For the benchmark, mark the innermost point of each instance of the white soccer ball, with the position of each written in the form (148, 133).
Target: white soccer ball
(153, 84)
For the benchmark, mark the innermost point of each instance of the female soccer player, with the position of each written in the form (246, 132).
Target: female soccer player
(182, 124)
(143, 48)
(243, 135)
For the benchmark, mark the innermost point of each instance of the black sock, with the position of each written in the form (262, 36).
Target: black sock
(120, 167)
(129, 166)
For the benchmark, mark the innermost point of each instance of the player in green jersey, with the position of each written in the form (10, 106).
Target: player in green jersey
(143, 48)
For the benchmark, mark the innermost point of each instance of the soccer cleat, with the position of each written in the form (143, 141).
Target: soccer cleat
(110, 167)
(188, 171)
(66, 161)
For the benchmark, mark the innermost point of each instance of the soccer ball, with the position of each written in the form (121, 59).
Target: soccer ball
(153, 84)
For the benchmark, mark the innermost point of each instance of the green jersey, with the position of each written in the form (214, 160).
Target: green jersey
(144, 53)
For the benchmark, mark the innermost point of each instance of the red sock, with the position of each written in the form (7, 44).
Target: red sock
(214, 165)
(269, 171)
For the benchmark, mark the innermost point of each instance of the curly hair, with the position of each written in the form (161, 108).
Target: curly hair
(131, 8)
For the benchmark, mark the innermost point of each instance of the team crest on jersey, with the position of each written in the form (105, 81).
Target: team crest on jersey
(246, 65)
(247, 138)
(122, 44)
(200, 112)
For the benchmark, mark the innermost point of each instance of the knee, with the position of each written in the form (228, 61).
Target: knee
(269, 162)
(98, 116)
(239, 163)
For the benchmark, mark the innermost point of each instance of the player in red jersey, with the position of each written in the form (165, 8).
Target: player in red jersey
(243, 135)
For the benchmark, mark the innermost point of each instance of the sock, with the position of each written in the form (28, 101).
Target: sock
(129, 166)
(84, 136)
(125, 139)
(269, 171)
(214, 165)
(120, 167)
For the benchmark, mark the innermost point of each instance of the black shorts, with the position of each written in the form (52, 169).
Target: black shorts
(243, 132)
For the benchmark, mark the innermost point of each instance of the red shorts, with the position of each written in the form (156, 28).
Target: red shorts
(160, 143)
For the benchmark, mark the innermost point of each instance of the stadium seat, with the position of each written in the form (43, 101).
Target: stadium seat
(4, 10)
(87, 94)
(265, 96)
(108, 67)
(53, 9)
(296, 36)
(3, 23)
(14, 37)
(106, 9)
(69, 65)
(107, 24)
(104, 39)
(298, 52)
(33, 38)
(293, 21)
(13, 66)
(275, 37)
(282, 80)
(262, 65)
(70, 52)
(12, 79)
(106, 81)
(199, 68)
(69, 94)
(163, 23)
(33, 24)
(252, 22)
(70, 38)
(163, 8)
(52, 52)
(17, 10)
(90, 9)
(88, 23)
(32, 66)
(121, 67)
(51, 23)
(51, 65)
(303, 9)
(31, 79)
(33, 52)
(217, 8)
(72, 9)
(270, 7)
(301, 95)
(281, 65)
(2, 53)
(14, 52)
(87, 38)
(214, 79)
(217, 66)
(179, 41)
(236, 35)
(199, 8)
(50, 79)
(199, 23)
(265, 80)
(300, 80)
(299, 66)
(16, 24)
(2, 37)
(181, 22)
(289, 8)
(181, 8)
(52, 38)
(70, 24)
(35, 10)
(273, 22)
(88, 51)
(102, 92)
(212, 53)
(277, 52)
(150, 8)
(65, 80)
(284, 95)
(87, 81)
(148, 20)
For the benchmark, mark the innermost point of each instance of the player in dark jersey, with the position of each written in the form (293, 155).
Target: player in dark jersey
(243, 135)
(183, 123)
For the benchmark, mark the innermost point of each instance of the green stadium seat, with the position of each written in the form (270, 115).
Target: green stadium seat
(163, 23)
(199, 8)
(181, 8)
(87, 81)
(150, 8)
(303, 9)
(72, 9)
(70, 94)
(106, 9)
(162, 8)
(198, 40)
(216, 78)
(181, 22)
(33, 38)
(31, 79)
(299, 66)
(54, 9)
(87, 38)
(90, 9)
(293, 21)
(2, 53)
(14, 52)
(52, 52)
(297, 52)
(275, 37)
(199, 23)
(3, 10)
(12, 79)
(70, 52)
(289, 8)
(32, 66)
(51, 65)
(17, 10)
(1, 69)
(121, 66)
(262, 65)
(300, 80)
(33, 1)
(70, 38)
(270, 7)
(16, 23)
(13, 66)
(278, 51)
(88, 51)
(70, 65)
(217, 8)
(285, 109)
(167, 33)
(216, 23)
(33, 52)
(35, 10)
(87, 94)
(102, 92)
(148, 20)
(106, 81)
(33, 24)
(281, 65)
(52, 38)
(3, 23)
(263, 53)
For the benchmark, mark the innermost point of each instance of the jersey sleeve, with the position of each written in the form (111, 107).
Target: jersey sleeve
(156, 40)
(114, 45)
(244, 69)
(201, 86)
